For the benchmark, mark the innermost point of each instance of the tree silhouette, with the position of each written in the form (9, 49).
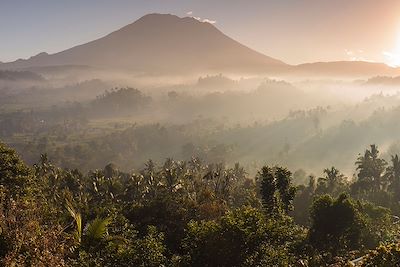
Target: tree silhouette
(332, 183)
(371, 170)
(393, 172)
(277, 191)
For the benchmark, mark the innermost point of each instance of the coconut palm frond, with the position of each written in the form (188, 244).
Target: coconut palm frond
(97, 229)
(78, 220)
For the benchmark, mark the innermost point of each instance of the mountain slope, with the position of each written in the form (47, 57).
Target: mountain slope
(160, 43)
(167, 44)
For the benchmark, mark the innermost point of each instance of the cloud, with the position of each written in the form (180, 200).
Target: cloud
(391, 59)
(356, 55)
(388, 54)
(349, 52)
(210, 21)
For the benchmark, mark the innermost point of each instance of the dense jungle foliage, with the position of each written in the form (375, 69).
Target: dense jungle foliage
(187, 213)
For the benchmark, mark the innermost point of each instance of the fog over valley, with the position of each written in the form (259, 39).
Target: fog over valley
(167, 142)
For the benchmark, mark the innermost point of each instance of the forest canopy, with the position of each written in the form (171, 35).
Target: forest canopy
(188, 213)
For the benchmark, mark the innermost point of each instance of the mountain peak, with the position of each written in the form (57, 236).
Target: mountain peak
(159, 17)
(159, 21)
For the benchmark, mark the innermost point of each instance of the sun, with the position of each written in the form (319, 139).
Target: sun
(392, 57)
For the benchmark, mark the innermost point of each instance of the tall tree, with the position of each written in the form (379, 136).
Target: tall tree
(371, 170)
(277, 191)
(333, 182)
(335, 224)
(393, 172)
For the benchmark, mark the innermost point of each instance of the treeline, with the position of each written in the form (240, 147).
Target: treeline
(9, 75)
(187, 213)
(127, 127)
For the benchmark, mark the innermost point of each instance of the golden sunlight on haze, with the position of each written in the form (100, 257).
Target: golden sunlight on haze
(392, 57)
(190, 133)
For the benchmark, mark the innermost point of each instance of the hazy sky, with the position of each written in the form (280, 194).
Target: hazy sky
(294, 31)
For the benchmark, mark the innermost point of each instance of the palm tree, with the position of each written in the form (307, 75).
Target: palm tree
(371, 168)
(172, 173)
(96, 230)
(93, 233)
(78, 222)
(332, 179)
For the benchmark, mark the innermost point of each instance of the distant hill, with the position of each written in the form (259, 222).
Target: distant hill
(159, 43)
(384, 80)
(345, 68)
(7, 75)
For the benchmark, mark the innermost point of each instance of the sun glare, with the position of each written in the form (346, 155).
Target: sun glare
(392, 58)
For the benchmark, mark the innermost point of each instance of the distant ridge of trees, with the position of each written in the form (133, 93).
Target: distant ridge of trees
(383, 80)
(9, 75)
